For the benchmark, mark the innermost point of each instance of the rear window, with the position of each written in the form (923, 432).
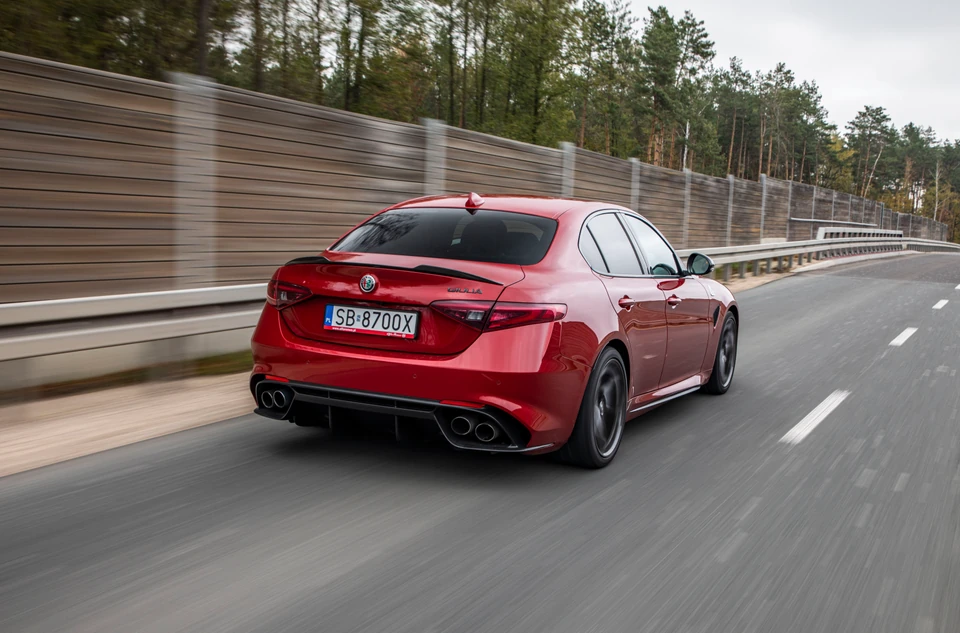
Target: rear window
(498, 237)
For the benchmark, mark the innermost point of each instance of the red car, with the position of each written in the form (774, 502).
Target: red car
(510, 324)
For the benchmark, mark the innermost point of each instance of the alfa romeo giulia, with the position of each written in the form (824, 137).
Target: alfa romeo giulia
(503, 323)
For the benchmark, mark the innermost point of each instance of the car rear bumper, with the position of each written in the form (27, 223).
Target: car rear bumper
(319, 402)
(516, 378)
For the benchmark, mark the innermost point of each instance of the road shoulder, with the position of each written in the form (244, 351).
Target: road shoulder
(44, 432)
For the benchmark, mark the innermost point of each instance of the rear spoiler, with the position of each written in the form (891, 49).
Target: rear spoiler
(423, 268)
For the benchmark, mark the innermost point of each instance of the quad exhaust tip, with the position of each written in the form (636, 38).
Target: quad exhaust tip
(266, 400)
(276, 399)
(462, 425)
(486, 432)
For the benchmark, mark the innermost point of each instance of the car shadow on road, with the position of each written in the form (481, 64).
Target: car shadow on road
(317, 449)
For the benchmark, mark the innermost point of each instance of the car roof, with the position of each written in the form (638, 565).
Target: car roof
(543, 206)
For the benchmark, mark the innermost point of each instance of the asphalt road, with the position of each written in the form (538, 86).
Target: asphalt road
(706, 521)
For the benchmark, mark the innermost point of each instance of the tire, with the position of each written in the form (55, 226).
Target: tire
(725, 361)
(599, 427)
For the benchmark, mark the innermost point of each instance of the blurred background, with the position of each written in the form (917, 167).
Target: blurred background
(159, 159)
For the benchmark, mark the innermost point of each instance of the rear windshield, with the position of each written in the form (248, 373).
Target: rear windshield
(499, 237)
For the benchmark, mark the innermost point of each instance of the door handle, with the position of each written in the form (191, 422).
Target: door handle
(626, 302)
(673, 301)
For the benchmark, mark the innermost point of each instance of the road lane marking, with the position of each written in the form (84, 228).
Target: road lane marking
(886, 459)
(815, 417)
(939, 305)
(901, 484)
(957, 288)
(749, 508)
(731, 546)
(864, 515)
(903, 336)
(866, 478)
(856, 446)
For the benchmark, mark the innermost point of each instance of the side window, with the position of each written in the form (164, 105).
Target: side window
(591, 253)
(615, 246)
(659, 255)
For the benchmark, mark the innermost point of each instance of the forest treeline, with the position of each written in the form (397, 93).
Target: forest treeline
(542, 71)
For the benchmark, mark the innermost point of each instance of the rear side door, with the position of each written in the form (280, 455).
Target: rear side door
(639, 303)
(688, 304)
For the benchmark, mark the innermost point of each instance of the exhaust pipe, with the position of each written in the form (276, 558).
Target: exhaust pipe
(462, 425)
(486, 432)
(266, 400)
(279, 399)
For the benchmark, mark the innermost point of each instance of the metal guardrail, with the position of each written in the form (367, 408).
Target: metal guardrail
(31, 312)
(760, 257)
(40, 328)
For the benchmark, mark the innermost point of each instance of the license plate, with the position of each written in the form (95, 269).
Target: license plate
(375, 321)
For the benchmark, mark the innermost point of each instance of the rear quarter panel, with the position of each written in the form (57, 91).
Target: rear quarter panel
(722, 301)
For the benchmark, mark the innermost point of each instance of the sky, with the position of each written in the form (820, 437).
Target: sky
(901, 55)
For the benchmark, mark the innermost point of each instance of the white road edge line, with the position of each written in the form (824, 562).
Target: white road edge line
(814, 418)
(940, 304)
(903, 336)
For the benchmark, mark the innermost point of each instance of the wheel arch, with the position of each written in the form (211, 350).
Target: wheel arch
(622, 349)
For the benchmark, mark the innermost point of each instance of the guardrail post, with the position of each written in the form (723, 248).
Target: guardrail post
(789, 206)
(569, 168)
(763, 202)
(635, 188)
(756, 267)
(769, 268)
(435, 163)
(730, 179)
(687, 177)
(195, 168)
(813, 210)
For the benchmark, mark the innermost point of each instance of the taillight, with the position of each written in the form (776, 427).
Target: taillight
(486, 315)
(472, 313)
(506, 315)
(283, 295)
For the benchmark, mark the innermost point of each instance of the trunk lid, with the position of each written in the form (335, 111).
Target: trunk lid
(402, 283)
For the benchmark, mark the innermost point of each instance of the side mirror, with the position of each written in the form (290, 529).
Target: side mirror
(698, 264)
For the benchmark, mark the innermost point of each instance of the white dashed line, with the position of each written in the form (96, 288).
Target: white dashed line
(865, 478)
(939, 305)
(750, 507)
(815, 417)
(730, 547)
(957, 288)
(903, 336)
(901, 484)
